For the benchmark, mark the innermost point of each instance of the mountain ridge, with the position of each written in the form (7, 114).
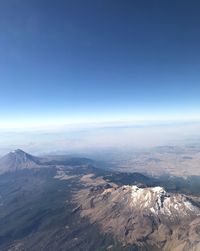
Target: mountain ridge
(136, 216)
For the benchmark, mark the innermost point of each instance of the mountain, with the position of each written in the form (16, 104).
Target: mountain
(73, 205)
(143, 216)
(17, 160)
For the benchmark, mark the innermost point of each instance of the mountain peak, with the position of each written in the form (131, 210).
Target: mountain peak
(157, 201)
(17, 159)
(19, 151)
(133, 214)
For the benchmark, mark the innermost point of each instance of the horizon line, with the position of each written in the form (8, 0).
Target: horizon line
(64, 124)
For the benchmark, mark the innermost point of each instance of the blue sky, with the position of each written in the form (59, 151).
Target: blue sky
(98, 60)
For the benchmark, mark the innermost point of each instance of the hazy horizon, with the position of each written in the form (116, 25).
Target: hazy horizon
(90, 137)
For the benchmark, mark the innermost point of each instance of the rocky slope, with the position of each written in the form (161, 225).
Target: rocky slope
(16, 160)
(143, 216)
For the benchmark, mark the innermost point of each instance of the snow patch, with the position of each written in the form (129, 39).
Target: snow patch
(158, 201)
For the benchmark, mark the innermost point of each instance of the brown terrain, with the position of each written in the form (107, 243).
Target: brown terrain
(174, 160)
(141, 215)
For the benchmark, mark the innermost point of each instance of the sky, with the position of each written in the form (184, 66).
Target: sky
(74, 61)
